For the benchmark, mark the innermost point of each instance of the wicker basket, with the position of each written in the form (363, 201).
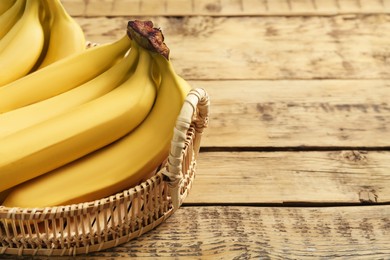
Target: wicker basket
(106, 223)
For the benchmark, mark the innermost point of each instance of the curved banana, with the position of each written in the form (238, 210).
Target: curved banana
(67, 137)
(66, 36)
(24, 41)
(5, 5)
(11, 17)
(18, 119)
(61, 76)
(117, 166)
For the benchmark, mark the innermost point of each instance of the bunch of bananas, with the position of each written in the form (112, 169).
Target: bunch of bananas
(90, 124)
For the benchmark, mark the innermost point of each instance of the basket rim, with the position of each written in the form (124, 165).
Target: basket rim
(80, 208)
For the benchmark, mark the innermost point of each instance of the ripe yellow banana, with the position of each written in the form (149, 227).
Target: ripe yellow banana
(117, 166)
(21, 47)
(11, 16)
(66, 36)
(61, 76)
(43, 147)
(18, 119)
(5, 5)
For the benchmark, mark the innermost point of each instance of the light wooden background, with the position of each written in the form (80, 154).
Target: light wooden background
(296, 161)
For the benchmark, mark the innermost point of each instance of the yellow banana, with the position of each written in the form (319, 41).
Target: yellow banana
(21, 47)
(66, 36)
(43, 147)
(117, 166)
(17, 119)
(61, 76)
(11, 16)
(5, 5)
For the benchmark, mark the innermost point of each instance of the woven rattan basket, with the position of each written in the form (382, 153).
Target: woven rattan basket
(106, 223)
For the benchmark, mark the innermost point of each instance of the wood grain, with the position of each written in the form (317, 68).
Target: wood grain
(224, 7)
(297, 151)
(218, 48)
(263, 233)
(304, 178)
(296, 113)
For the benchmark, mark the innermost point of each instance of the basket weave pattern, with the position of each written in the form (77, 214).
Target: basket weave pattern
(101, 224)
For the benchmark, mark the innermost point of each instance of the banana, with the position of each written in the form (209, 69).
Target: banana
(24, 40)
(43, 147)
(18, 119)
(11, 16)
(61, 76)
(117, 166)
(66, 36)
(5, 5)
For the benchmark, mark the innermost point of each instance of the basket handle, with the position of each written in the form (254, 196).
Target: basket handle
(194, 111)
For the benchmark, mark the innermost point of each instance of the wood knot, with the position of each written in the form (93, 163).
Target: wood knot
(214, 8)
(368, 196)
(354, 156)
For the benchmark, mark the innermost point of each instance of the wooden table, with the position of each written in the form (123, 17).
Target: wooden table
(295, 163)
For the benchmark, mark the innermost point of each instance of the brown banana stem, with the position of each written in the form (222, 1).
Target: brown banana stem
(148, 37)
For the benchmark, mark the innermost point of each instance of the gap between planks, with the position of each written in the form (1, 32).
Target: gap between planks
(291, 148)
(289, 204)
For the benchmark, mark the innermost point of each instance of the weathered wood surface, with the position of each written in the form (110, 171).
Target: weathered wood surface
(282, 233)
(291, 178)
(300, 83)
(224, 7)
(278, 113)
(218, 48)
(299, 117)
(262, 233)
(294, 113)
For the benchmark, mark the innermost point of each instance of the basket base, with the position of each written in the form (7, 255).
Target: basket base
(76, 250)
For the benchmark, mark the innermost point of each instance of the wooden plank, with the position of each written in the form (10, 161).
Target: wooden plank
(263, 233)
(331, 177)
(260, 233)
(340, 47)
(224, 7)
(326, 113)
